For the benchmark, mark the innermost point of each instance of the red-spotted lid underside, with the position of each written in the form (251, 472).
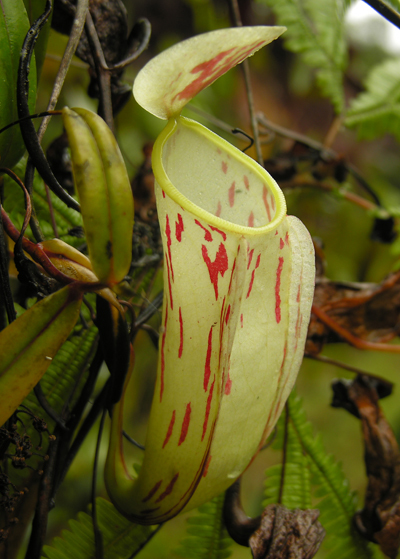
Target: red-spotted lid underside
(170, 80)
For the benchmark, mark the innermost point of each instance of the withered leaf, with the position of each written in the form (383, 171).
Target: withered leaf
(379, 520)
(287, 534)
(369, 312)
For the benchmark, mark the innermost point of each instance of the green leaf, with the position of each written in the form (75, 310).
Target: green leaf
(104, 192)
(121, 538)
(207, 535)
(318, 35)
(14, 25)
(29, 344)
(376, 111)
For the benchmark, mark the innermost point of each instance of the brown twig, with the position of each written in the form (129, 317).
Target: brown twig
(349, 337)
(324, 151)
(323, 185)
(39, 524)
(284, 450)
(73, 41)
(104, 76)
(249, 92)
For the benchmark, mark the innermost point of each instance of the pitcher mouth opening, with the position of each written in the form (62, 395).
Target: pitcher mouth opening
(215, 181)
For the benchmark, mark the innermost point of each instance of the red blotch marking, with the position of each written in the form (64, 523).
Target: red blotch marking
(228, 312)
(298, 293)
(277, 291)
(252, 275)
(230, 282)
(207, 234)
(168, 489)
(162, 353)
(210, 70)
(185, 424)
(228, 386)
(219, 266)
(272, 202)
(250, 257)
(208, 408)
(171, 301)
(299, 321)
(169, 430)
(180, 333)
(281, 243)
(179, 228)
(218, 231)
(241, 320)
(251, 220)
(264, 195)
(224, 167)
(169, 242)
(207, 369)
(152, 491)
(163, 193)
(206, 466)
(246, 182)
(231, 194)
(219, 209)
(219, 151)
(287, 238)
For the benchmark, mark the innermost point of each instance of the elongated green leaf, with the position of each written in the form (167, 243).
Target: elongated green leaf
(14, 25)
(121, 538)
(104, 192)
(28, 345)
(377, 110)
(318, 35)
(207, 537)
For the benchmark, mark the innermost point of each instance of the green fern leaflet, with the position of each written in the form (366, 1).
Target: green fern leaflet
(121, 538)
(377, 110)
(207, 535)
(309, 478)
(316, 31)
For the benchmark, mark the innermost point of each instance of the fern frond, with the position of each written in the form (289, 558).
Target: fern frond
(207, 535)
(294, 477)
(65, 217)
(121, 538)
(318, 35)
(307, 465)
(377, 110)
(66, 373)
(338, 503)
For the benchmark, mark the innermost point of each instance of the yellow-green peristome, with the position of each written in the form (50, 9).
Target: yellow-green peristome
(238, 288)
